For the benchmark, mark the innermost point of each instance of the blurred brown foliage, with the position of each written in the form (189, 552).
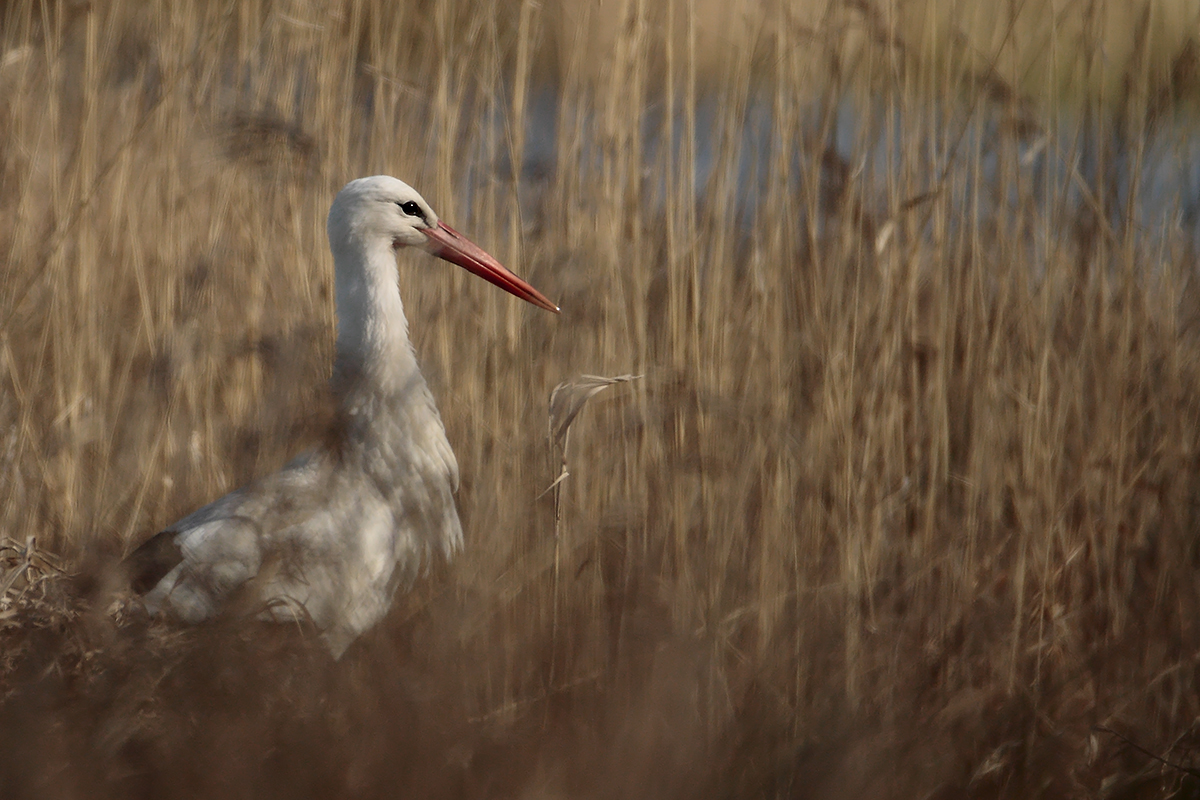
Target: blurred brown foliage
(904, 504)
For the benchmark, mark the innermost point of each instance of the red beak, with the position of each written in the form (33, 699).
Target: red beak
(447, 243)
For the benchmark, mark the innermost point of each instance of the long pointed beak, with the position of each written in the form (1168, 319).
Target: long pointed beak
(447, 243)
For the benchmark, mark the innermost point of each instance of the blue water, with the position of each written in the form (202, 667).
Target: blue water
(1064, 172)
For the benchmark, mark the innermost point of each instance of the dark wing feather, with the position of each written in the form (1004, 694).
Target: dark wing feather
(151, 562)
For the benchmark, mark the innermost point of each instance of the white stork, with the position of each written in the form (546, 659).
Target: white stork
(342, 527)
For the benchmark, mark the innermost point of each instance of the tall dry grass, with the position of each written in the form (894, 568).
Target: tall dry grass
(904, 505)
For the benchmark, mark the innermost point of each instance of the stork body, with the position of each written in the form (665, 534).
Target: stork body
(340, 528)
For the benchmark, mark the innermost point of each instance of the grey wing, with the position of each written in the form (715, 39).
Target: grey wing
(215, 551)
(192, 567)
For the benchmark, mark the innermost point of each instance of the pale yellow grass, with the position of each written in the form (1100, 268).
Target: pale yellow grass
(912, 472)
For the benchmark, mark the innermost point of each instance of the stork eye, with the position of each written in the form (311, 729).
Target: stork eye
(412, 209)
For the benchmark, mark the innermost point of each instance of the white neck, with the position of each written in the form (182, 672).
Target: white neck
(372, 340)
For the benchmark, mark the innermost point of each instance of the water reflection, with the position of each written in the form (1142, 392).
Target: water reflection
(989, 160)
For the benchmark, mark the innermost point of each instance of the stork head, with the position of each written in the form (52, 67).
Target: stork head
(381, 210)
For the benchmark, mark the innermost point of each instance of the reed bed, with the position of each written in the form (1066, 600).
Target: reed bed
(903, 504)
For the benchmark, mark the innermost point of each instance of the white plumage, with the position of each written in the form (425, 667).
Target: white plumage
(341, 528)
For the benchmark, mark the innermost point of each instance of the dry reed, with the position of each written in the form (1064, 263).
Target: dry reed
(904, 505)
